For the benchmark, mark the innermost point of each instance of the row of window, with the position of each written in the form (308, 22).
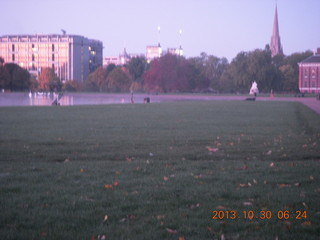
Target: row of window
(312, 85)
(33, 46)
(32, 57)
(33, 67)
(313, 72)
(91, 49)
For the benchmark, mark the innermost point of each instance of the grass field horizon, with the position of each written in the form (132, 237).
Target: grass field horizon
(158, 171)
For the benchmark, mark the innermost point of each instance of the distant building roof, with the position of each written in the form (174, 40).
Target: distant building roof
(312, 59)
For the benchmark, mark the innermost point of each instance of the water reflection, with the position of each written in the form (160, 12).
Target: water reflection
(69, 99)
(47, 99)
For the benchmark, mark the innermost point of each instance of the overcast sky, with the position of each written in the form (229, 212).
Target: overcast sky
(219, 27)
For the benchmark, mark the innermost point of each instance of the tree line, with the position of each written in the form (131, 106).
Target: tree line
(171, 74)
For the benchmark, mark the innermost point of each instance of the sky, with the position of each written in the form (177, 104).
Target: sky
(222, 28)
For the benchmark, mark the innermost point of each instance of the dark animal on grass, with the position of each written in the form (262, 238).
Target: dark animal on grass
(146, 100)
(250, 99)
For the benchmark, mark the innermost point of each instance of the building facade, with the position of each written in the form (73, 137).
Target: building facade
(72, 57)
(309, 74)
(153, 52)
(120, 60)
(175, 51)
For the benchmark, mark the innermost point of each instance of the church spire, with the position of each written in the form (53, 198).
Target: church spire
(275, 44)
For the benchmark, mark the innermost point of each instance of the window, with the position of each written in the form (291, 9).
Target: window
(52, 57)
(13, 47)
(52, 47)
(305, 72)
(53, 66)
(32, 46)
(305, 84)
(32, 57)
(13, 57)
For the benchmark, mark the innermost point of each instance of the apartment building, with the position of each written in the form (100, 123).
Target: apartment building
(72, 57)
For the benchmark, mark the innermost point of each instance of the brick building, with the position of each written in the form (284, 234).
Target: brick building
(309, 74)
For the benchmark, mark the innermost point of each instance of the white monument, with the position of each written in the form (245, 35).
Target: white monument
(254, 89)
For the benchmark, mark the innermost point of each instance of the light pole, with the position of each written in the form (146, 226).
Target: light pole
(159, 46)
(159, 36)
(180, 48)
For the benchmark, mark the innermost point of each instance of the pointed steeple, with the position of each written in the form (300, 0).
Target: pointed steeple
(275, 45)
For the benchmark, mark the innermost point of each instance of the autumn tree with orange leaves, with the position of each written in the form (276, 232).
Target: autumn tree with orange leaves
(48, 80)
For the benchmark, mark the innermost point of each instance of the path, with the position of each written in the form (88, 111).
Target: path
(312, 103)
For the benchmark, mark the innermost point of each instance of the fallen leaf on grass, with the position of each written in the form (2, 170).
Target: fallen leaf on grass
(305, 205)
(292, 164)
(81, 170)
(271, 164)
(128, 217)
(211, 149)
(220, 207)
(169, 230)
(181, 238)
(105, 218)
(192, 206)
(108, 186)
(247, 203)
(198, 176)
(311, 178)
(283, 185)
(244, 167)
(306, 223)
(102, 237)
(159, 217)
(243, 185)
(165, 178)
(116, 183)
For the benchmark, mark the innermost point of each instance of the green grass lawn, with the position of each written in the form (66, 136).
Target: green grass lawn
(159, 171)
